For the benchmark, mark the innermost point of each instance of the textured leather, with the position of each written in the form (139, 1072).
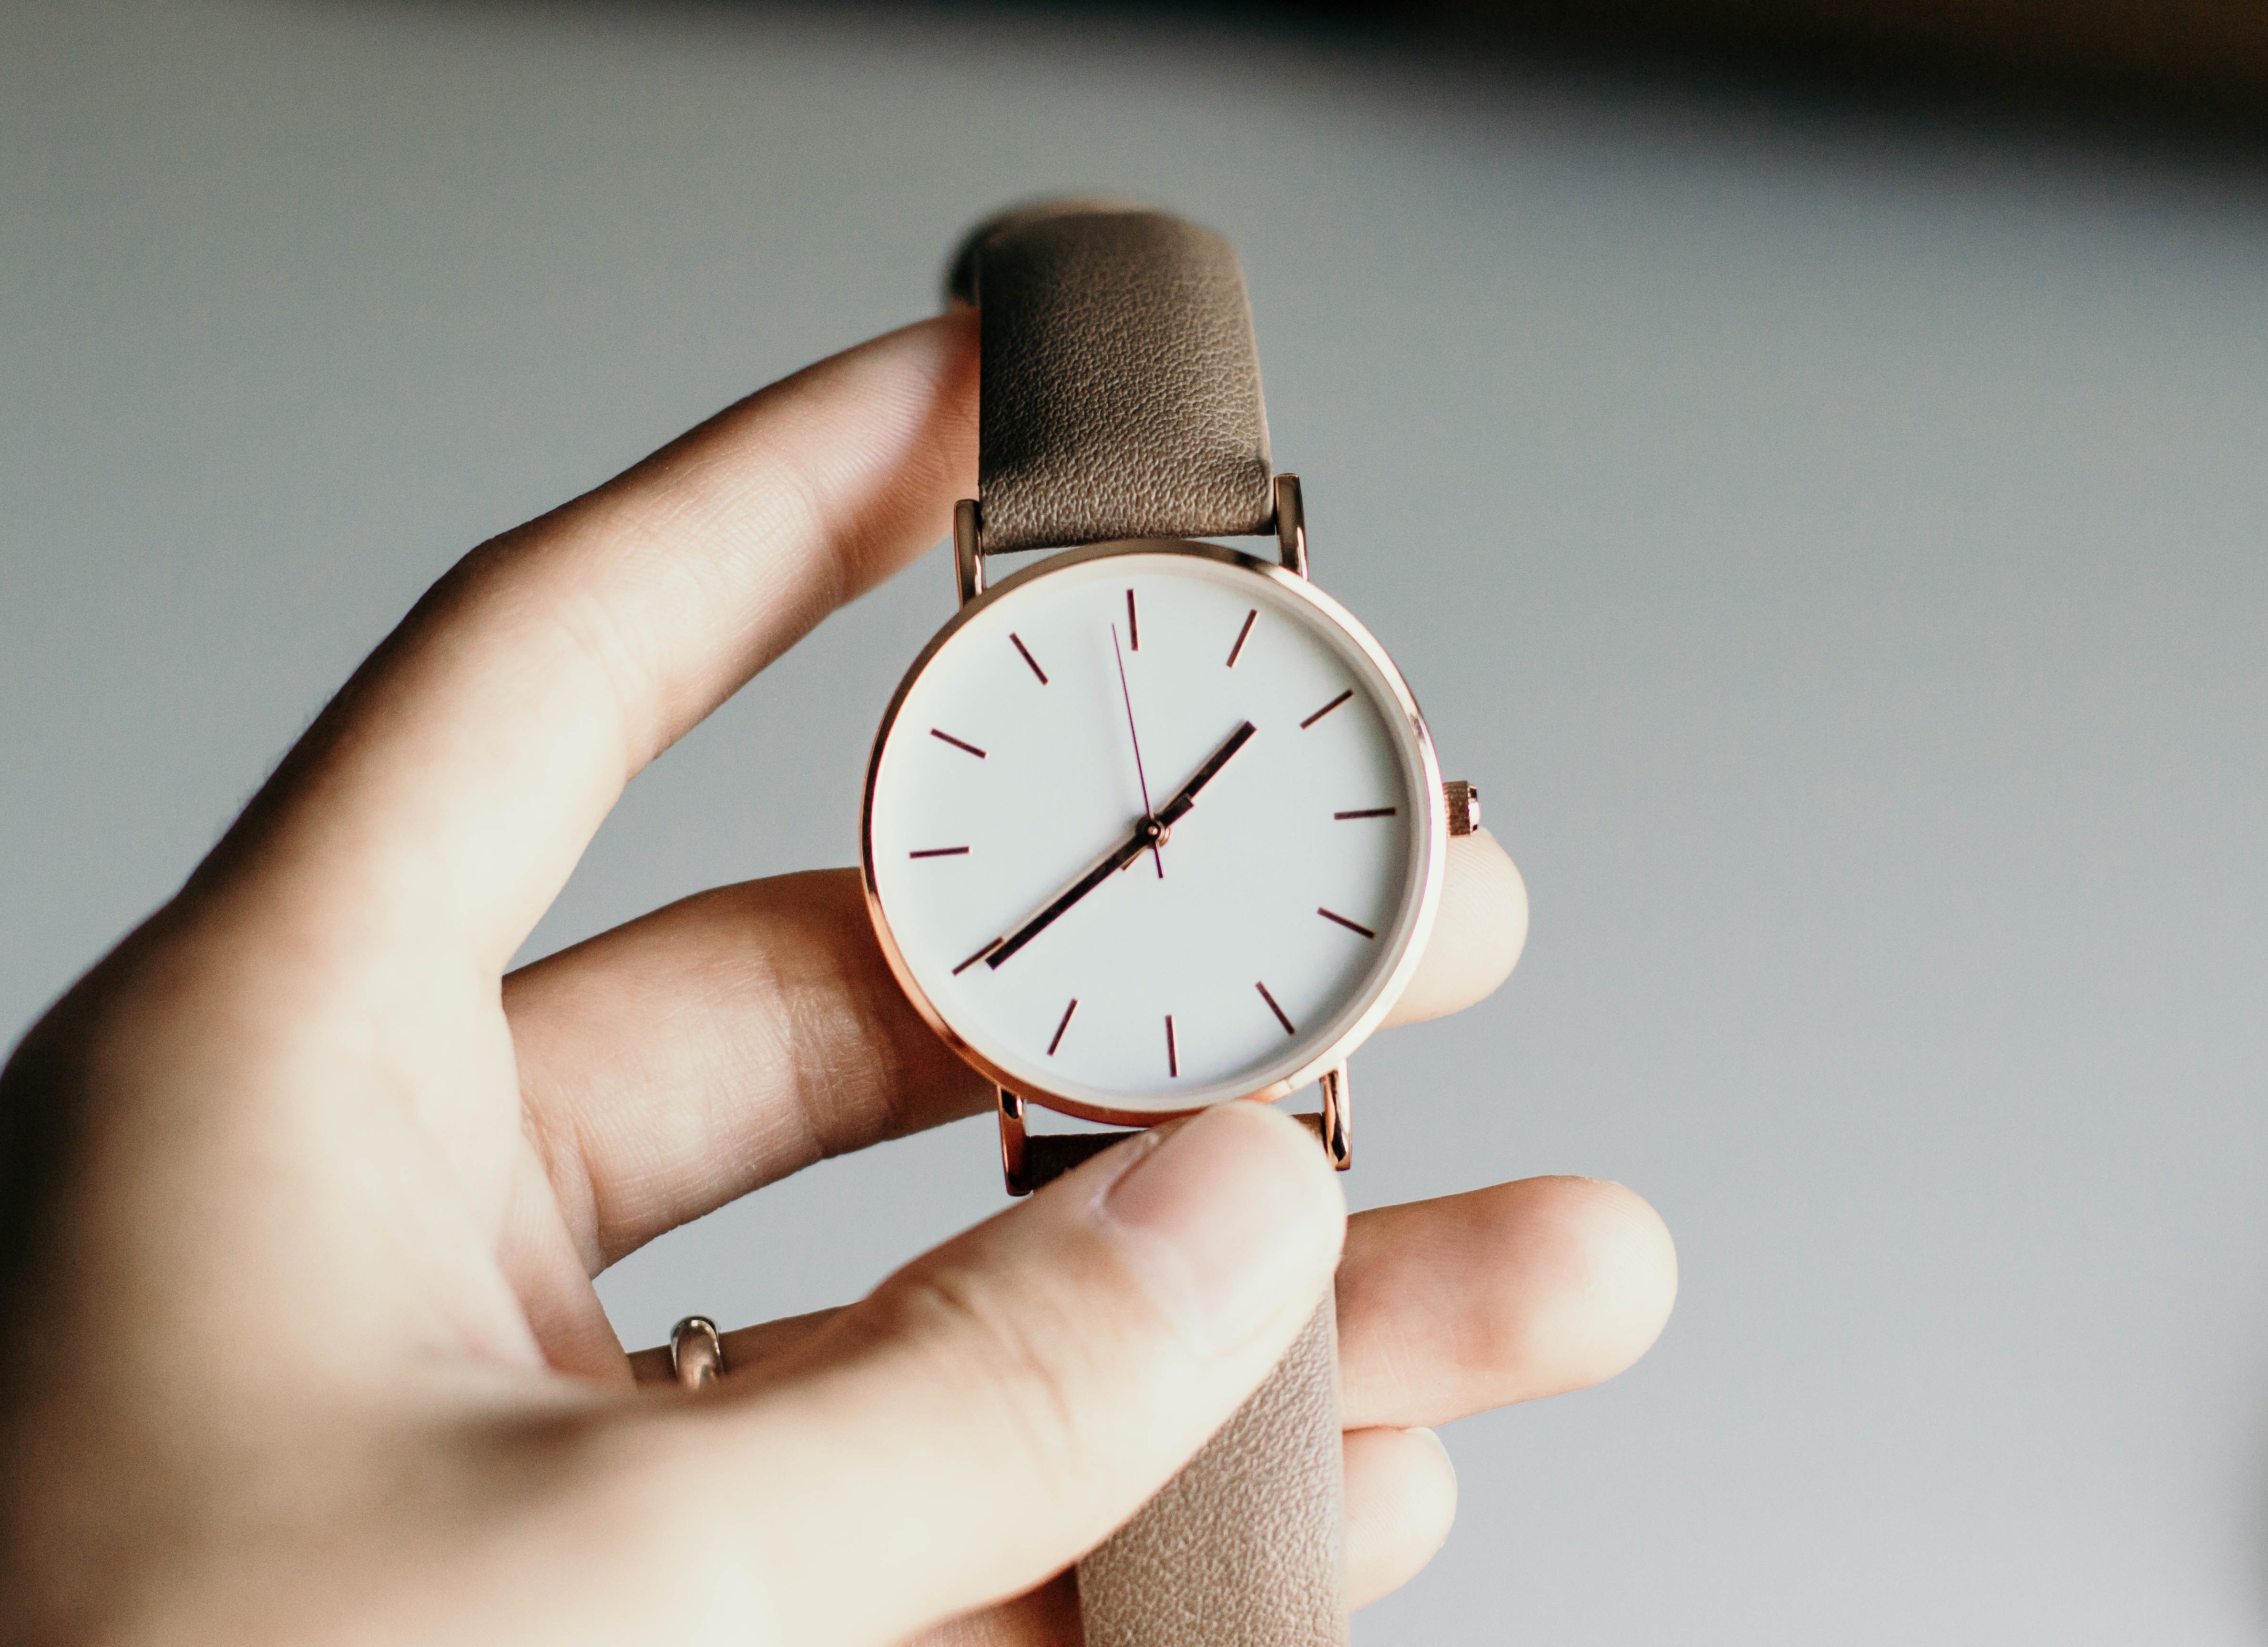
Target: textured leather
(1245, 1548)
(1119, 387)
(960, 273)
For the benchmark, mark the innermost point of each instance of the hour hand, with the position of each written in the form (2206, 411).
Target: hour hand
(1178, 808)
(1146, 834)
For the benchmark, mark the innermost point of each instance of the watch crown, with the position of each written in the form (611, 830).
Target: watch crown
(1464, 806)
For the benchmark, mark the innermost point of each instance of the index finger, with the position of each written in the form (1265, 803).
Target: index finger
(451, 786)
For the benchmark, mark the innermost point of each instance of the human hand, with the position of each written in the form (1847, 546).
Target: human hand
(301, 1193)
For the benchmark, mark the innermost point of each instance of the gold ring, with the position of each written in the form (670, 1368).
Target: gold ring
(694, 1353)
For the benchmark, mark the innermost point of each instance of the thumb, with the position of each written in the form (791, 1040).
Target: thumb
(999, 1407)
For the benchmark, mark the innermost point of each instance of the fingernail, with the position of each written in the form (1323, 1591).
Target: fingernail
(1220, 1224)
(1438, 1447)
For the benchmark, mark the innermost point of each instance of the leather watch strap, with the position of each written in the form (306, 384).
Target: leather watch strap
(1119, 387)
(1047, 1156)
(1245, 1548)
(1120, 398)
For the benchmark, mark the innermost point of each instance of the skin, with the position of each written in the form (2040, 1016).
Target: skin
(301, 1192)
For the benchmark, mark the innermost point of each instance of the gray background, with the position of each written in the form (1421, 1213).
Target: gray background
(1834, 544)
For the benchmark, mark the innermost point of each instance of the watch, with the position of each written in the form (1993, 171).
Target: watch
(1154, 824)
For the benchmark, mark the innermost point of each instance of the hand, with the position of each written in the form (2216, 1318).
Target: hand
(301, 1193)
(1149, 834)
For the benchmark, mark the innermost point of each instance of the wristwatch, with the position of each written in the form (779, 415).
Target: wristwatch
(1154, 824)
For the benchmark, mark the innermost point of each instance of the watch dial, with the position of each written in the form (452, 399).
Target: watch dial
(1015, 810)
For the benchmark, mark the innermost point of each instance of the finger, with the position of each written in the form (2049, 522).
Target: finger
(676, 1064)
(451, 786)
(1460, 1304)
(1447, 1307)
(998, 1408)
(745, 1349)
(1400, 1498)
(1477, 934)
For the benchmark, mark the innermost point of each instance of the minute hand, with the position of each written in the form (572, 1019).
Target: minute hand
(1178, 808)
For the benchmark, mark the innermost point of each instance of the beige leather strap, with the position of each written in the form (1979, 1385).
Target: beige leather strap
(1245, 1548)
(1120, 388)
(1120, 398)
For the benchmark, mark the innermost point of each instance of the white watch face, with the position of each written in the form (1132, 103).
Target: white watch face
(1023, 780)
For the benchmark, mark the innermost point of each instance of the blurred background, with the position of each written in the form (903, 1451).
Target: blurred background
(1808, 459)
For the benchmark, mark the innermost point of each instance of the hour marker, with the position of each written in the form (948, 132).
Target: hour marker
(1237, 650)
(1029, 659)
(1367, 811)
(956, 742)
(1312, 719)
(1173, 1057)
(1276, 1009)
(1352, 926)
(978, 956)
(1063, 1025)
(1133, 630)
(940, 851)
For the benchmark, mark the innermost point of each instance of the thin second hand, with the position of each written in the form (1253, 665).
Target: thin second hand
(1139, 778)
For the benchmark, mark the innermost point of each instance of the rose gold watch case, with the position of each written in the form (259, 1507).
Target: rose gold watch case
(1433, 828)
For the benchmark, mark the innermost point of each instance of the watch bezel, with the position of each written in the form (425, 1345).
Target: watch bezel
(1432, 824)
